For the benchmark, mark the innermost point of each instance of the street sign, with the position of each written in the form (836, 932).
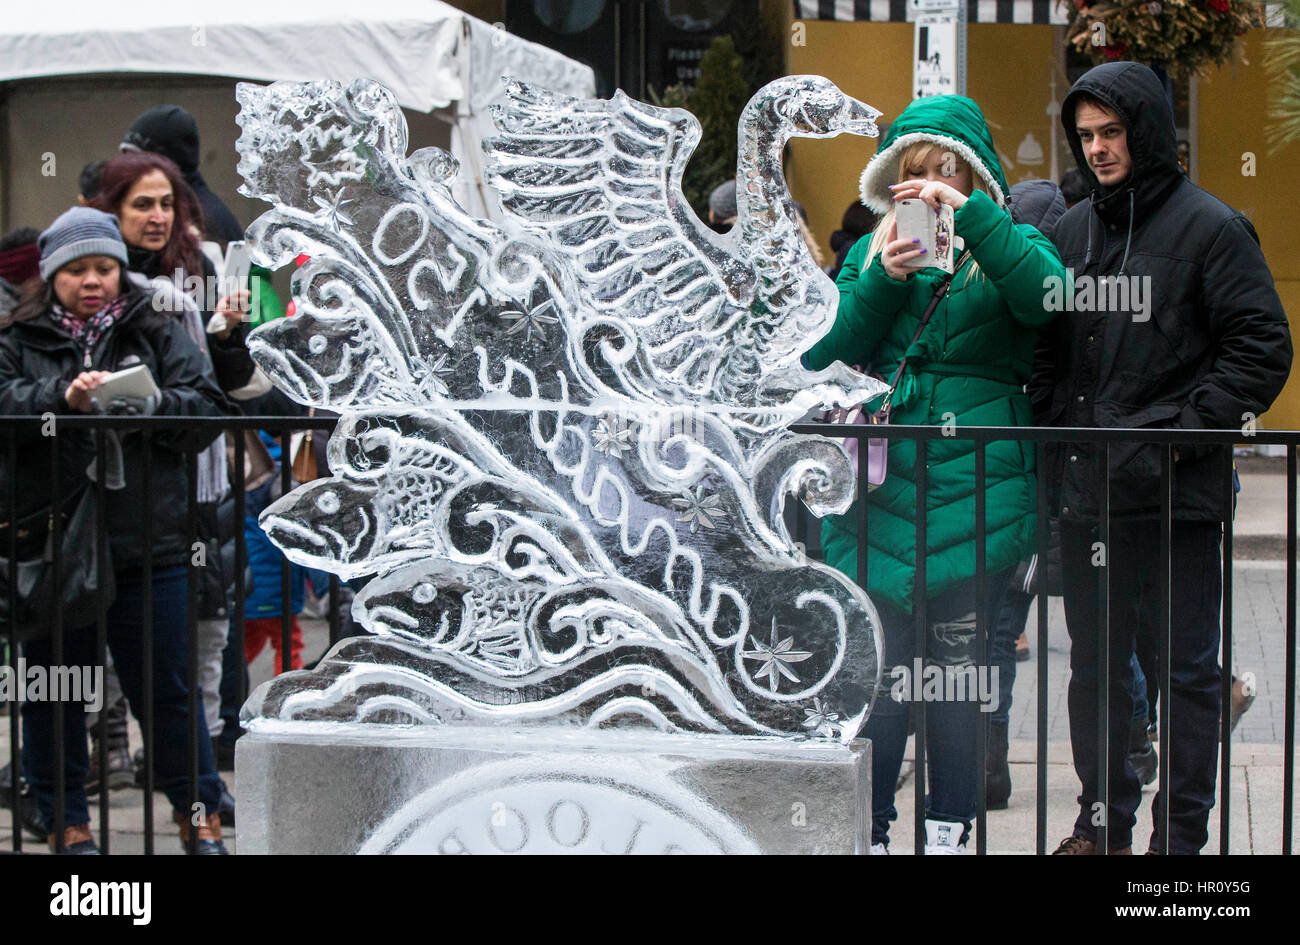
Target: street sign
(938, 49)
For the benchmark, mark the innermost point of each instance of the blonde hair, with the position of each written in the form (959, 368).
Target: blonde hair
(916, 153)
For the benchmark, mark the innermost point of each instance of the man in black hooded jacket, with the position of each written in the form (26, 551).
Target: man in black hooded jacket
(1172, 322)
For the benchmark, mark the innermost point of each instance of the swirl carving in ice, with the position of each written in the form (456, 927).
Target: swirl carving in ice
(562, 459)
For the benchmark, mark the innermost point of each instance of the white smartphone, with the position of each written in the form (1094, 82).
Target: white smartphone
(933, 229)
(234, 274)
(133, 382)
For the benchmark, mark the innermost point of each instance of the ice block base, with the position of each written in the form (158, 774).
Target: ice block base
(307, 788)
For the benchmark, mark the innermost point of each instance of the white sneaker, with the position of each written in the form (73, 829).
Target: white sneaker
(942, 838)
(879, 849)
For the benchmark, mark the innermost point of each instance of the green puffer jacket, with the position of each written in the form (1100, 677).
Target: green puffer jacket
(971, 362)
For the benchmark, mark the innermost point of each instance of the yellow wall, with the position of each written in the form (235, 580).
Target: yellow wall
(1009, 70)
(1231, 121)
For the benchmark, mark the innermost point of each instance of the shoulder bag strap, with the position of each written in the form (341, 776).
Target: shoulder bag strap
(940, 291)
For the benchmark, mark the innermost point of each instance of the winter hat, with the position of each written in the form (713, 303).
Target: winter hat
(950, 121)
(723, 201)
(81, 231)
(168, 130)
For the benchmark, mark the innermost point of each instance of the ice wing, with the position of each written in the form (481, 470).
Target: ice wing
(600, 181)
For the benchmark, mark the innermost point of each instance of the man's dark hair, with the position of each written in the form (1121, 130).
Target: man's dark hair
(1084, 98)
(88, 182)
(19, 236)
(1073, 186)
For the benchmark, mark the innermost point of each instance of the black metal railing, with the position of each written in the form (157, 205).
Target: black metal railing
(149, 427)
(1168, 439)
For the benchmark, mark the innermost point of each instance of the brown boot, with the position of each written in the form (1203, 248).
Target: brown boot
(209, 834)
(77, 841)
(1081, 846)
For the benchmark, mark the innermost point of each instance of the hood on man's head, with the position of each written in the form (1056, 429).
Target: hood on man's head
(168, 130)
(1135, 93)
(950, 121)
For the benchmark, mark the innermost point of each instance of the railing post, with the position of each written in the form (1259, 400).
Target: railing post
(1225, 691)
(1103, 653)
(286, 635)
(241, 558)
(919, 612)
(56, 645)
(101, 638)
(146, 634)
(981, 655)
(1044, 552)
(1288, 726)
(194, 703)
(1164, 623)
(15, 710)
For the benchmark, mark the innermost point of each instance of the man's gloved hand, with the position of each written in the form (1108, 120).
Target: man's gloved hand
(132, 407)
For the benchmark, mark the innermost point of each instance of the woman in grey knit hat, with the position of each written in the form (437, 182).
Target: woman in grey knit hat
(58, 346)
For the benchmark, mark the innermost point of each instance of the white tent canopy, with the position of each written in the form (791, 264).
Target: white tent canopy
(428, 53)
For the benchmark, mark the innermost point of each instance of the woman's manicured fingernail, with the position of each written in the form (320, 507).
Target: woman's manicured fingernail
(922, 249)
(916, 241)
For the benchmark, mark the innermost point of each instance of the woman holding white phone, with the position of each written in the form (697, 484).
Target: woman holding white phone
(967, 350)
(61, 343)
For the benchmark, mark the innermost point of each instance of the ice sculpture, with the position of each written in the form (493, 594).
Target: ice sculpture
(562, 451)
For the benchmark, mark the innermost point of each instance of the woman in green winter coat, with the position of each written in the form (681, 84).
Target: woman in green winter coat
(968, 367)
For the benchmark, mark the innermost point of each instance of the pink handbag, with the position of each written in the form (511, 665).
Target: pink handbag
(878, 446)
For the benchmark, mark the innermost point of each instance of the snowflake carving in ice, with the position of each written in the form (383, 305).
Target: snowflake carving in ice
(776, 658)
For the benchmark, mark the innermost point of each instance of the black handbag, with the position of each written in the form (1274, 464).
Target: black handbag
(32, 579)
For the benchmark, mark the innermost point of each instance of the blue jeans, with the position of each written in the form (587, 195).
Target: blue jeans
(171, 718)
(1012, 615)
(951, 724)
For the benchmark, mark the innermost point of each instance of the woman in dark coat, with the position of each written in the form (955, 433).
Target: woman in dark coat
(57, 348)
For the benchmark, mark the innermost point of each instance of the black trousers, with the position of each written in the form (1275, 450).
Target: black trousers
(1196, 582)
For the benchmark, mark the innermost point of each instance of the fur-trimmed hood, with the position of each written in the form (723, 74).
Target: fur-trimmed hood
(953, 121)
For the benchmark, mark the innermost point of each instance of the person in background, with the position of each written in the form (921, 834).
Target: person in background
(88, 182)
(265, 605)
(857, 222)
(20, 258)
(1073, 187)
(19, 266)
(722, 207)
(86, 319)
(171, 131)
